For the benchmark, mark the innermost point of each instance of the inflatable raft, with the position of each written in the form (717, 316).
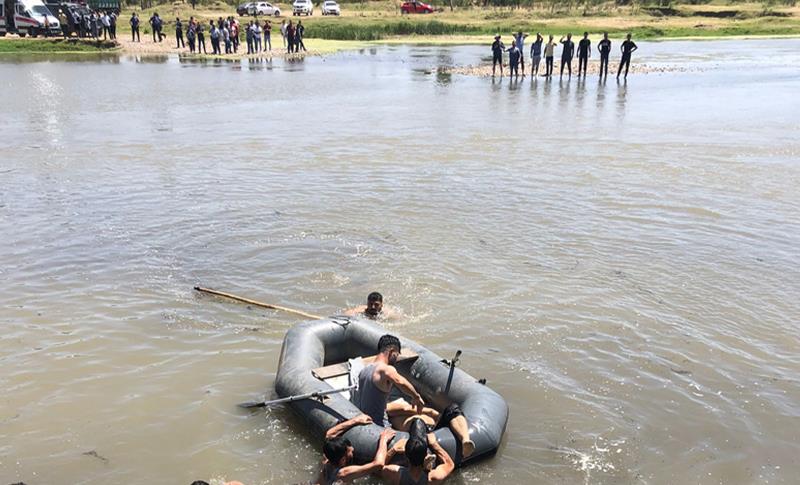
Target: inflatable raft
(315, 356)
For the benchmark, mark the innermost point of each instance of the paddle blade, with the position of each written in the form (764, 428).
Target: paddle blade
(252, 404)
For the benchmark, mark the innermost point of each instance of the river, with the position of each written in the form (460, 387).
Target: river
(619, 260)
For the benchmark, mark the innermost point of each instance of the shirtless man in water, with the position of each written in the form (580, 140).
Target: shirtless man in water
(337, 452)
(373, 310)
(375, 383)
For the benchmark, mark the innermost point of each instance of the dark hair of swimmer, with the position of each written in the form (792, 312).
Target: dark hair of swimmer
(416, 450)
(335, 449)
(374, 296)
(199, 482)
(387, 342)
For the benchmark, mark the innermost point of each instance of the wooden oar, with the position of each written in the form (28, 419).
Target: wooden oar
(298, 397)
(256, 303)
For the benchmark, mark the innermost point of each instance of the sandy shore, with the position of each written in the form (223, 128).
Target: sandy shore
(315, 47)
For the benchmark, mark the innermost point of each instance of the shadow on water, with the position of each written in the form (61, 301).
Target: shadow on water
(622, 93)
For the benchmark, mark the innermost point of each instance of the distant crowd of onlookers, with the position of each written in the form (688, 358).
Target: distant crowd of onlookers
(224, 34)
(86, 23)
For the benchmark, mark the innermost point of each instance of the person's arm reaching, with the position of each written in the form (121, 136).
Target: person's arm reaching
(405, 386)
(342, 427)
(447, 466)
(352, 472)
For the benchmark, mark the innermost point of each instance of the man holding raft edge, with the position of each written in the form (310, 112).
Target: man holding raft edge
(375, 383)
(337, 452)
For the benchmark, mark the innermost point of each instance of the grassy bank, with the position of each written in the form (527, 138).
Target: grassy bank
(9, 45)
(381, 20)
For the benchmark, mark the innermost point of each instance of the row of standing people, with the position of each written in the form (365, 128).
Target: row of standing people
(224, 34)
(516, 54)
(84, 25)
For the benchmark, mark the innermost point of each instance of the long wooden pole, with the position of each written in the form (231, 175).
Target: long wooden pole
(256, 303)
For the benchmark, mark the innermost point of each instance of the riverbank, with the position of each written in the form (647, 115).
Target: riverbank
(15, 45)
(381, 20)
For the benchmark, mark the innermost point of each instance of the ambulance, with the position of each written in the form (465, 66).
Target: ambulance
(27, 17)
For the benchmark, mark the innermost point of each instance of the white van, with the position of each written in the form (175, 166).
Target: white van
(27, 17)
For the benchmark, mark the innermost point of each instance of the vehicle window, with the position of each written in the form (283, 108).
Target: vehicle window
(20, 9)
(41, 10)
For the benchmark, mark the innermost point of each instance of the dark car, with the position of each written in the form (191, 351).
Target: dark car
(415, 7)
(244, 9)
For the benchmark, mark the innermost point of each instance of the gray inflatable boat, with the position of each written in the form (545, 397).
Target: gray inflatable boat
(315, 356)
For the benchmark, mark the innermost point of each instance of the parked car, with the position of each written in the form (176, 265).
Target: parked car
(264, 8)
(302, 7)
(415, 7)
(330, 7)
(244, 9)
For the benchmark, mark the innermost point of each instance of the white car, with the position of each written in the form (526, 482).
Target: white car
(264, 8)
(302, 7)
(329, 7)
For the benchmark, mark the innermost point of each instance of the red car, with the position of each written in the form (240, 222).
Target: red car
(415, 7)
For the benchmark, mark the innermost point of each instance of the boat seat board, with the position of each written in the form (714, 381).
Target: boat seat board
(342, 368)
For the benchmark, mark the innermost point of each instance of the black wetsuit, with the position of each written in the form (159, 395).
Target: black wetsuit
(566, 55)
(627, 49)
(605, 49)
(583, 55)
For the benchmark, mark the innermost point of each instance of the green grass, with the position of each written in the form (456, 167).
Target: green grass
(378, 29)
(53, 46)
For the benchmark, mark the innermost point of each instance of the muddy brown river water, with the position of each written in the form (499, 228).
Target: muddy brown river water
(620, 261)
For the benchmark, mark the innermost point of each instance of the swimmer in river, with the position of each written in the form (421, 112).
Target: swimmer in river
(375, 383)
(374, 309)
(337, 463)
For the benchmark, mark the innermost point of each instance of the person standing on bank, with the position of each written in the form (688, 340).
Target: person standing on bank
(605, 49)
(283, 33)
(549, 53)
(155, 25)
(191, 35)
(267, 36)
(536, 54)
(179, 34)
(135, 37)
(627, 48)
(584, 53)
(301, 31)
(201, 38)
(567, 54)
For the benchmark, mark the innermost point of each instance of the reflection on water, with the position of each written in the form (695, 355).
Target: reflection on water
(624, 272)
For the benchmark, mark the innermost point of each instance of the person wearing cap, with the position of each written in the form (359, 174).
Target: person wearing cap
(497, 54)
(337, 452)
